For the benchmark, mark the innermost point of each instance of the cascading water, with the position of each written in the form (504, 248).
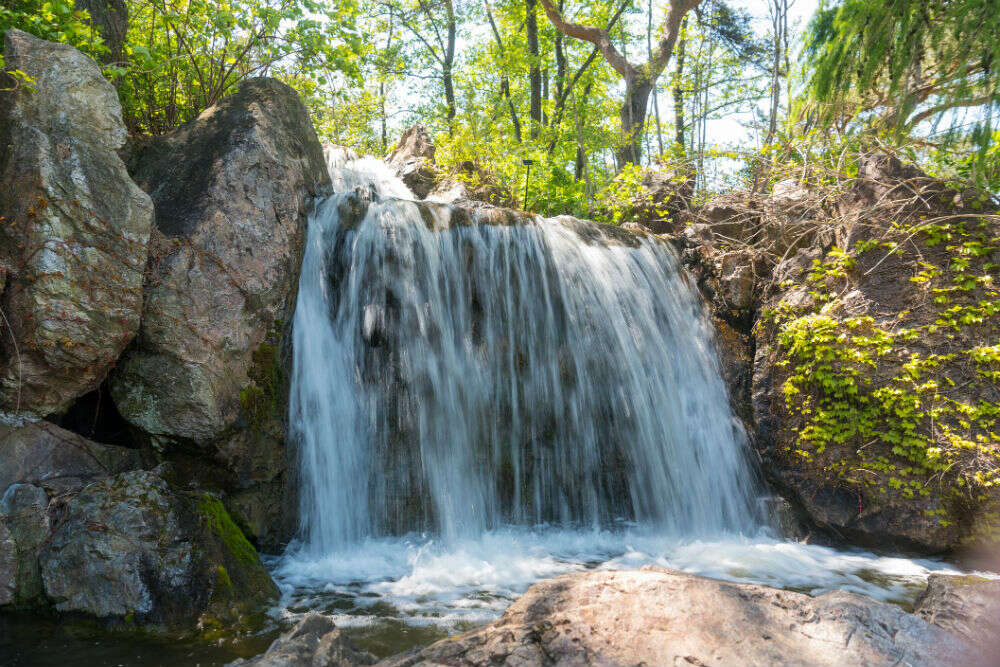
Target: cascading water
(455, 375)
(483, 399)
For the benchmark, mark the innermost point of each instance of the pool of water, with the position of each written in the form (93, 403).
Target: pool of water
(33, 641)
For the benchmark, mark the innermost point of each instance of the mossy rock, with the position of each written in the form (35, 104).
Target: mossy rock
(877, 382)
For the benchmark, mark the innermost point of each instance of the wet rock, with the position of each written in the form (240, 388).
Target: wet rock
(314, 642)
(661, 617)
(74, 242)
(232, 189)
(129, 547)
(43, 454)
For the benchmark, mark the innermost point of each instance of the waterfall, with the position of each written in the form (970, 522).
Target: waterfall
(458, 370)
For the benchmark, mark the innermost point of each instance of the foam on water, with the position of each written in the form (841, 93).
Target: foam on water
(423, 580)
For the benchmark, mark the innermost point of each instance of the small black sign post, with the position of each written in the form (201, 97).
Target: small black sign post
(527, 174)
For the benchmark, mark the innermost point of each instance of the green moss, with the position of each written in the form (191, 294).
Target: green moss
(215, 517)
(223, 580)
(881, 415)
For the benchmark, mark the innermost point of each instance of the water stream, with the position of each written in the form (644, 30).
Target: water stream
(484, 401)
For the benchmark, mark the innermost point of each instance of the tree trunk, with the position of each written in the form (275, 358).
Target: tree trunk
(633, 119)
(504, 81)
(535, 74)
(110, 19)
(446, 66)
(678, 90)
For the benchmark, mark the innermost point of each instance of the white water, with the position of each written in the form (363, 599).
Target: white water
(481, 406)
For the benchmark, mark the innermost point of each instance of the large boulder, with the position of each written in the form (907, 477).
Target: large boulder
(24, 529)
(130, 548)
(74, 240)
(232, 189)
(876, 380)
(40, 461)
(966, 606)
(84, 530)
(661, 617)
(58, 460)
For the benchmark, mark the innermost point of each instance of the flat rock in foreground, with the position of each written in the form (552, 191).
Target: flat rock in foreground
(658, 617)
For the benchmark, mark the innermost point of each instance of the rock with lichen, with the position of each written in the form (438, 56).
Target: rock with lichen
(73, 242)
(656, 616)
(876, 390)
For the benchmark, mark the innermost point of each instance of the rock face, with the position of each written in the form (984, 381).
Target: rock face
(875, 389)
(84, 530)
(968, 607)
(653, 199)
(232, 189)
(74, 242)
(661, 617)
(129, 546)
(314, 642)
(39, 462)
(413, 162)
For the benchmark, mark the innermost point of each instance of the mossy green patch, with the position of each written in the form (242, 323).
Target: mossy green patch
(904, 404)
(215, 517)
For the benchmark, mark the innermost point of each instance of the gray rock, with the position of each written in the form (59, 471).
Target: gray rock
(233, 189)
(130, 547)
(8, 566)
(25, 521)
(660, 617)
(413, 160)
(314, 642)
(43, 454)
(73, 247)
(117, 547)
(967, 606)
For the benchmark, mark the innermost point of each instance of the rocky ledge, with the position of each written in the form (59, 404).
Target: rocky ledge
(662, 617)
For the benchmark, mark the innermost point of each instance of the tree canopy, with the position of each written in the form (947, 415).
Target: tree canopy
(717, 93)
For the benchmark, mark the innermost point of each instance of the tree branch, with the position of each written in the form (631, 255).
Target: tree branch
(599, 37)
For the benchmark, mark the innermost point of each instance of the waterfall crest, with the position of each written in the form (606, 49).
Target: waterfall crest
(459, 371)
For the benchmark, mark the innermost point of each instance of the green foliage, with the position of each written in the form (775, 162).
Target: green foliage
(900, 63)
(184, 55)
(54, 20)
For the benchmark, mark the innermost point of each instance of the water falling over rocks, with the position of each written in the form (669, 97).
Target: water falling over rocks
(458, 369)
(483, 399)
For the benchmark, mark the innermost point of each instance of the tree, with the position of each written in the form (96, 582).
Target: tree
(639, 79)
(911, 60)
